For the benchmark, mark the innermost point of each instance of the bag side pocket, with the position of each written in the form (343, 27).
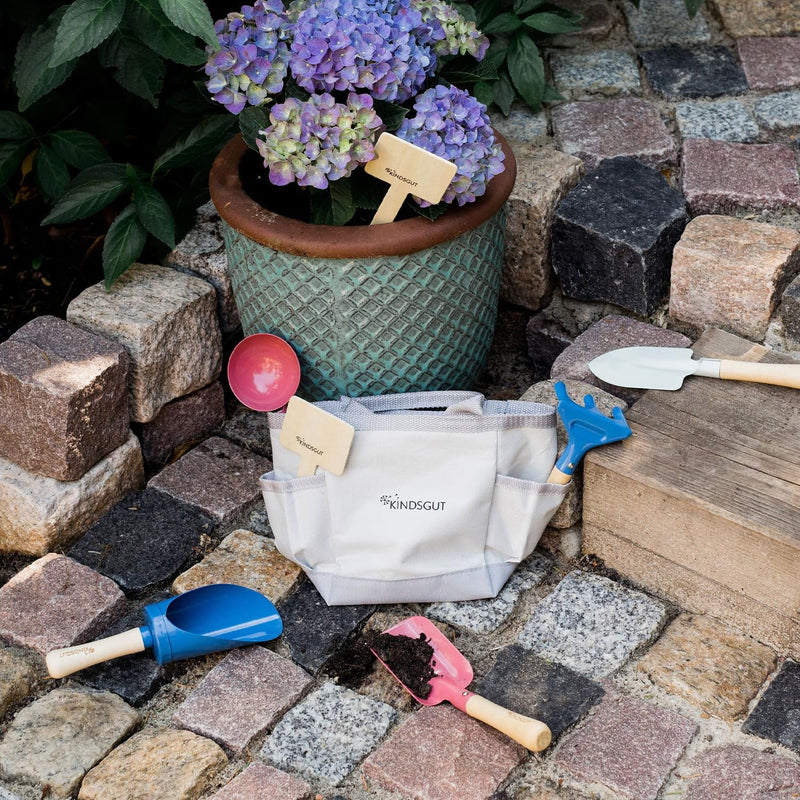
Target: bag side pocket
(519, 514)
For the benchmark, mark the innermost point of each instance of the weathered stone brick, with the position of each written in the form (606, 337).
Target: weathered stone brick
(770, 62)
(727, 120)
(63, 398)
(658, 22)
(167, 321)
(730, 273)
(260, 781)
(779, 111)
(759, 17)
(599, 73)
(775, 715)
(19, 673)
(676, 72)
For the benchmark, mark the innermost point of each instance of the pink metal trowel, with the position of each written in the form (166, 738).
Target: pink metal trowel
(453, 675)
(263, 372)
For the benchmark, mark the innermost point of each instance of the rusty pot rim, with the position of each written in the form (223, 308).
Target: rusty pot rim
(289, 235)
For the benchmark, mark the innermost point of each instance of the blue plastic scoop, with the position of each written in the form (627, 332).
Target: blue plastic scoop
(204, 620)
(586, 428)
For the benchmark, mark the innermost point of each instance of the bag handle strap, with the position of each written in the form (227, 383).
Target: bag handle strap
(453, 402)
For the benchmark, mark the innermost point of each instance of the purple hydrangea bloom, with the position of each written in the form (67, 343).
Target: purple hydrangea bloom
(379, 46)
(454, 125)
(318, 140)
(453, 34)
(252, 60)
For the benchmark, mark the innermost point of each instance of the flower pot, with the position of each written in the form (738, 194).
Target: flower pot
(406, 306)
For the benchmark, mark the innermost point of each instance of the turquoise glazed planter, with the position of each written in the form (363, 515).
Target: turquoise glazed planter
(405, 306)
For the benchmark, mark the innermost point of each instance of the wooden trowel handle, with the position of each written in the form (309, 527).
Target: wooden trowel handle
(529, 732)
(758, 372)
(71, 659)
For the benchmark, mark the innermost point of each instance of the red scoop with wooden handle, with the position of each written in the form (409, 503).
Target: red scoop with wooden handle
(453, 675)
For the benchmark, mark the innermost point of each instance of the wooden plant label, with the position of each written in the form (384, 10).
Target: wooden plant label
(319, 438)
(407, 169)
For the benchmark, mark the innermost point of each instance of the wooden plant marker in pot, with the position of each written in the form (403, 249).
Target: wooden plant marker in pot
(407, 169)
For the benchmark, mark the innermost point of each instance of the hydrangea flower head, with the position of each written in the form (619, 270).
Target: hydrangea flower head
(454, 125)
(453, 34)
(379, 46)
(252, 60)
(318, 140)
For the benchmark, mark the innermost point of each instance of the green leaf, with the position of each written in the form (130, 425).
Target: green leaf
(526, 69)
(136, 67)
(11, 155)
(90, 191)
(466, 11)
(391, 113)
(334, 205)
(33, 78)
(504, 93)
(124, 243)
(502, 23)
(368, 191)
(154, 213)
(551, 23)
(486, 10)
(468, 70)
(15, 127)
(154, 29)
(551, 94)
(523, 7)
(203, 141)
(85, 25)
(692, 6)
(191, 16)
(51, 172)
(483, 92)
(253, 119)
(78, 148)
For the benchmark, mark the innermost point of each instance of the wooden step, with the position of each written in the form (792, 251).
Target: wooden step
(702, 503)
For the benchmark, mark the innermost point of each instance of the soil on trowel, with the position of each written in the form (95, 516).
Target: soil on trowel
(410, 659)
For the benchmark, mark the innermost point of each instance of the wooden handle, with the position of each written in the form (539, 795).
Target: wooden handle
(557, 476)
(529, 732)
(71, 659)
(757, 372)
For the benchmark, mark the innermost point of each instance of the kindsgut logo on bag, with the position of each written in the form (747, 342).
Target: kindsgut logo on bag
(394, 502)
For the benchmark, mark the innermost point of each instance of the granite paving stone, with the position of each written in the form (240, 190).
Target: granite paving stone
(599, 73)
(544, 176)
(730, 272)
(609, 333)
(242, 697)
(676, 72)
(710, 664)
(328, 733)
(790, 310)
(779, 111)
(523, 126)
(743, 773)
(56, 739)
(720, 177)
(314, 631)
(440, 753)
(485, 616)
(169, 328)
(592, 624)
(613, 235)
(182, 423)
(602, 129)
(541, 689)
(260, 781)
(776, 716)
(19, 674)
(135, 678)
(249, 429)
(202, 253)
(759, 17)
(56, 602)
(545, 341)
(63, 398)
(770, 63)
(163, 764)
(39, 514)
(247, 559)
(145, 539)
(658, 22)
(218, 477)
(598, 18)
(563, 542)
(628, 745)
(726, 120)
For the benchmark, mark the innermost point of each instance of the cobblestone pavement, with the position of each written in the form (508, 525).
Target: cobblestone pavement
(692, 122)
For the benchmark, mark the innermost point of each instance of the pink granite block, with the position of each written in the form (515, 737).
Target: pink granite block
(743, 773)
(628, 745)
(218, 477)
(771, 63)
(595, 131)
(242, 697)
(260, 781)
(719, 177)
(439, 749)
(56, 602)
(63, 398)
(182, 422)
